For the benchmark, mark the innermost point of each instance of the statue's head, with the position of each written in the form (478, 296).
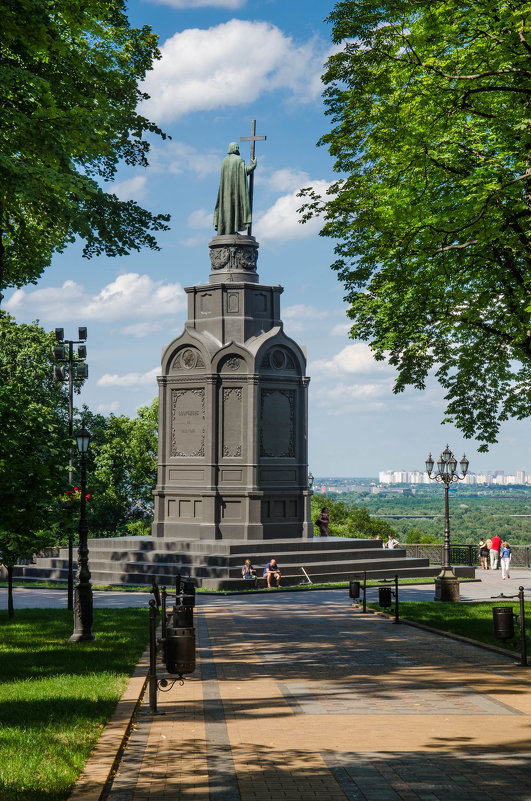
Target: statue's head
(234, 148)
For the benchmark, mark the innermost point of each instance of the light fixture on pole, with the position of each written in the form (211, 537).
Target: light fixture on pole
(69, 370)
(83, 588)
(446, 583)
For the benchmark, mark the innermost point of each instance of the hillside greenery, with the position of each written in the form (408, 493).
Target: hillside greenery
(474, 514)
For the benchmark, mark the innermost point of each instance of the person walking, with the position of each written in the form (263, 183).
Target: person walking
(495, 552)
(505, 558)
(483, 554)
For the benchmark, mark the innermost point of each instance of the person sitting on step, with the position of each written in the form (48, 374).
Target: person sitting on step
(248, 571)
(272, 569)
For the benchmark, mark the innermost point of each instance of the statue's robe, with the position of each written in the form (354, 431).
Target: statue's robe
(233, 207)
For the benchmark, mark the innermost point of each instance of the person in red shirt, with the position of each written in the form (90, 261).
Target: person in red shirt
(495, 552)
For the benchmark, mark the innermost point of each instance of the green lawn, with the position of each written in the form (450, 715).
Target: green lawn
(56, 697)
(472, 620)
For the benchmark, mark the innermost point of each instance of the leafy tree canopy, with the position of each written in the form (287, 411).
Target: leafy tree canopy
(122, 471)
(33, 444)
(431, 132)
(69, 74)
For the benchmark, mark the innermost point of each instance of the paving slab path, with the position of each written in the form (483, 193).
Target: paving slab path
(303, 696)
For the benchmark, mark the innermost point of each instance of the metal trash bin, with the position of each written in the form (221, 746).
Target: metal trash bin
(179, 650)
(503, 620)
(354, 589)
(183, 617)
(384, 596)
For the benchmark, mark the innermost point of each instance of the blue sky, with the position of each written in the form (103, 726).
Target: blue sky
(224, 63)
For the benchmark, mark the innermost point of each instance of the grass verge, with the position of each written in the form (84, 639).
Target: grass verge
(55, 697)
(473, 620)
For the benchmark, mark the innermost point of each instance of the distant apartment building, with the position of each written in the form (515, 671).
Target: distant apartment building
(489, 478)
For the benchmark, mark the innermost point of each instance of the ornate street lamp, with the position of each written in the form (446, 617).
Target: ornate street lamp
(68, 370)
(446, 584)
(83, 589)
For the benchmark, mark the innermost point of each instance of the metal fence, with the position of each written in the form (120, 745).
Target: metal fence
(466, 554)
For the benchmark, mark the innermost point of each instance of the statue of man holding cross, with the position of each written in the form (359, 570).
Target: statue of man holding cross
(234, 205)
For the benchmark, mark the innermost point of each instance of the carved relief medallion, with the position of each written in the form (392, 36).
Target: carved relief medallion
(187, 359)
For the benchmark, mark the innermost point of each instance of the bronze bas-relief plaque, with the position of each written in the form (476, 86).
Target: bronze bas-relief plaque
(188, 422)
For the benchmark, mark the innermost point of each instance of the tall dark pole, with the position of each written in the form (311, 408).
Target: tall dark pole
(59, 374)
(446, 583)
(70, 587)
(446, 546)
(83, 589)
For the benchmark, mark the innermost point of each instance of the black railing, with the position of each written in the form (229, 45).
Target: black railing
(465, 554)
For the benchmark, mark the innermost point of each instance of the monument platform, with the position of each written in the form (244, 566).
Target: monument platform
(216, 565)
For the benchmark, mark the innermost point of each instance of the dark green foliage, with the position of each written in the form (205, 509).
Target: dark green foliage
(122, 472)
(431, 134)
(349, 521)
(55, 697)
(69, 74)
(33, 443)
(472, 515)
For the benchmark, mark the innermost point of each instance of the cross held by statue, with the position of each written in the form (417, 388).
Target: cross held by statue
(252, 139)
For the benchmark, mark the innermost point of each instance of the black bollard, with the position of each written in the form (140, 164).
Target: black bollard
(523, 646)
(153, 657)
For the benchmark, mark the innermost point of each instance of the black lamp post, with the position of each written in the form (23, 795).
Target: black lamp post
(446, 584)
(69, 371)
(83, 589)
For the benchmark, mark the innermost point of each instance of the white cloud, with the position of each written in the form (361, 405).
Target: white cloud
(130, 189)
(131, 380)
(288, 180)
(298, 316)
(140, 330)
(340, 329)
(201, 3)
(179, 157)
(355, 358)
(282, 221)
(129, 295)
(360, 391)
(200, 219)
(229, 65)
(106, 408)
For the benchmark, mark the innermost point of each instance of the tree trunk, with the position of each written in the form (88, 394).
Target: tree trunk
(10, 609)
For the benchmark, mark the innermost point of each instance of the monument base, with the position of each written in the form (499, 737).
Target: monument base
(446, 586)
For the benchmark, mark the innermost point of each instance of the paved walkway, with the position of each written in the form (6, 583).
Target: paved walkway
(491, 584)
(304, 697)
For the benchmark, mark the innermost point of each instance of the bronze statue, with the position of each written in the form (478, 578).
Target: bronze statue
(233, 211)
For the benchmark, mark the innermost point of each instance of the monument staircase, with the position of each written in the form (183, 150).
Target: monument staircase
(216, 565)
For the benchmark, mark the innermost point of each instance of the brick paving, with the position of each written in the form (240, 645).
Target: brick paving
(297, 700)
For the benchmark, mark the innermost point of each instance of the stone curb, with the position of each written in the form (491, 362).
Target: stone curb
(448, 634)
(107, 752)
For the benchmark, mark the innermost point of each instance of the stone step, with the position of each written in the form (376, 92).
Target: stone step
(223, 560)
(144, 572)
(221, 567)
(229, 546)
